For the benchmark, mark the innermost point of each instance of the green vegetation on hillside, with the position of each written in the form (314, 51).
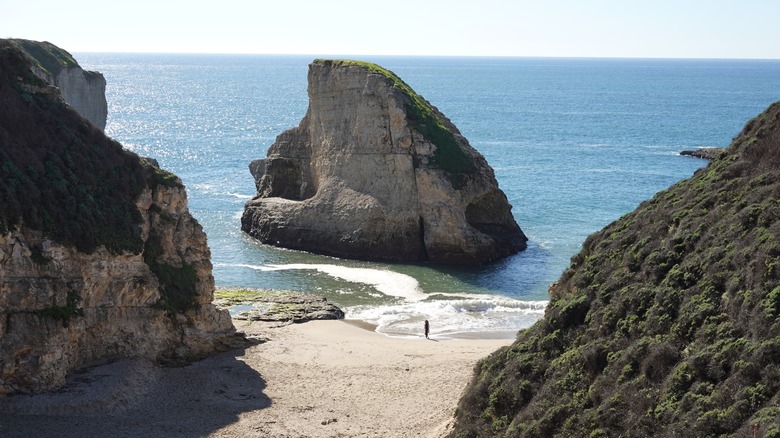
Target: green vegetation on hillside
(59, 174)
(450, 155)
(667, 323)
(63, 177)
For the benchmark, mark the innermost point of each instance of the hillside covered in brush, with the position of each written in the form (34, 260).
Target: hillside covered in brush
(60, 175)
(665, 324)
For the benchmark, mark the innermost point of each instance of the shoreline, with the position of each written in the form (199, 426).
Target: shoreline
(459, 321)
(319, 378)
(371, 327)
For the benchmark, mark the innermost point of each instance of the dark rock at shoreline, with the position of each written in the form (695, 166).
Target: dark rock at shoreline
(704, 153)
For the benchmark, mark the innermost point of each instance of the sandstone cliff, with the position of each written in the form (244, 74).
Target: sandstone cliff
(374, 171)
(667, 323)
(99, 256)
(83, 90)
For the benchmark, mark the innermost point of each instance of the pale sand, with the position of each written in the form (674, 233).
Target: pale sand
(318, 379)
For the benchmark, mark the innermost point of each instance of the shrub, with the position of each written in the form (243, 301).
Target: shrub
(64, 313)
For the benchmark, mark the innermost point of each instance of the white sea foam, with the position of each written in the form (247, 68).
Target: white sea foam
(451, 317)
(385, 281)
(450, 313)
(215, 189)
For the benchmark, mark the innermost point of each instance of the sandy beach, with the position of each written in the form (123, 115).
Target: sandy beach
(317, 379)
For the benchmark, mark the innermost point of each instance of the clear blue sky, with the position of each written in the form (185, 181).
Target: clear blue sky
(559, 28)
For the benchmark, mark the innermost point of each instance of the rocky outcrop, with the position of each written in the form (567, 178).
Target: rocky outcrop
(99, 255)
(84, 90)
(703, 153)
(374, 171)
(277, 306)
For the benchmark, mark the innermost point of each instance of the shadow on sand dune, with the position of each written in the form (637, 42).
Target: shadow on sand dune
(132, 397)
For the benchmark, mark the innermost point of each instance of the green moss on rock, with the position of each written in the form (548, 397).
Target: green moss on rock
(178, 284)
(46, 55)
(450, 155)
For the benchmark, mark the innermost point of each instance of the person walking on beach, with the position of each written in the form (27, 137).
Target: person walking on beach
(427, 328)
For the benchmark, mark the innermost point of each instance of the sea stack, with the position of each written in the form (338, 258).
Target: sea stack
(376, 172)
(99, 256)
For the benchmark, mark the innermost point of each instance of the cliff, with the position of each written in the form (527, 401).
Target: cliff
(374, 171)
(667, 323)
(99, 256)
(83, 90)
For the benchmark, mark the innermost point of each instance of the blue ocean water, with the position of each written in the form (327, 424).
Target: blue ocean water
(575, 143)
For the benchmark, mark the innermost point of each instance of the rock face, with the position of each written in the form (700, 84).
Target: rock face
(667, 323)
(99, 256)
(373, 171)
(703, 153)
(83, 90)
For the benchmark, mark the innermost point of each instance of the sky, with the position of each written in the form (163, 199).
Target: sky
(546, 28)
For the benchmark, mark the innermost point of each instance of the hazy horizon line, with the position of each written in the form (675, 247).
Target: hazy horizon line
(352, 56)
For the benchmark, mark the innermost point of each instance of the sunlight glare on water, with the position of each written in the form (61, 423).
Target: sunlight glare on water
(575, 144)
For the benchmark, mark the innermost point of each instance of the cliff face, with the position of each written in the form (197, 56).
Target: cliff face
(99, 256)
(667, 323)
(83, 90)
(373, 171)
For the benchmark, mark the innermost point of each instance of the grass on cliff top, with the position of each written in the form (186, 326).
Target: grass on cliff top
(450, 155)
(46, 55)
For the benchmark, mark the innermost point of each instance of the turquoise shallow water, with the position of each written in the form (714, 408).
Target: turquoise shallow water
(575, 143)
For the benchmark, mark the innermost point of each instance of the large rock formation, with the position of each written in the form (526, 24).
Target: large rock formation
(99, 256)
(667, 323)
(83, 90)
(374, 171)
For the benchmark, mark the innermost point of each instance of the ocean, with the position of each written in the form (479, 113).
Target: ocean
(575, 144)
